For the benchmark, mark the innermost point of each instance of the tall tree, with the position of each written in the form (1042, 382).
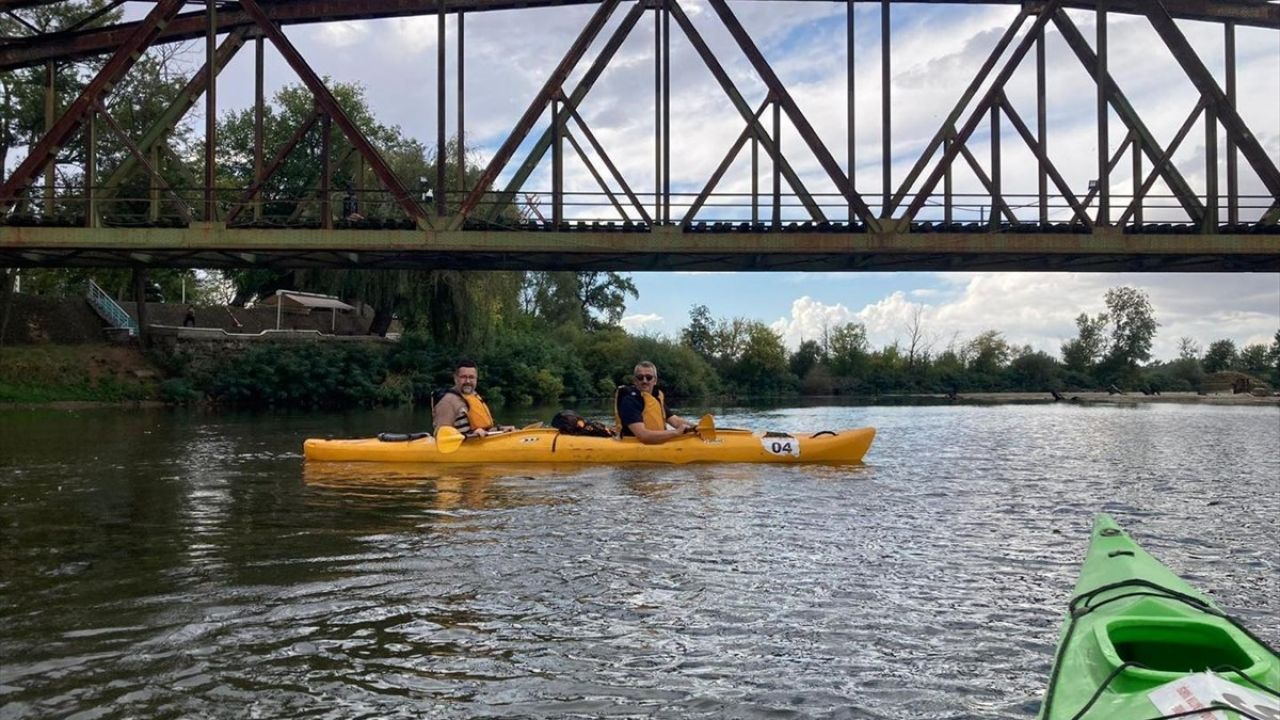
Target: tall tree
(699, 335)
(1083, 352)
(1133, 327)
(849, 348)
(987, 353)
(1220, 356)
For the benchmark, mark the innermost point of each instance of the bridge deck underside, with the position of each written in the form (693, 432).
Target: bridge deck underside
(659, 250)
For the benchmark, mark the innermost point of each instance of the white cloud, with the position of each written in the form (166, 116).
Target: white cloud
(1039, 309)
(640, 323)
(343, 34)
(809, 320)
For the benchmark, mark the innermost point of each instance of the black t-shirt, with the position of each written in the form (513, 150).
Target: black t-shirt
(631, 409)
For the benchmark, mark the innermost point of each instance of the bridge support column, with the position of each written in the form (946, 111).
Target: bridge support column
(140, 297)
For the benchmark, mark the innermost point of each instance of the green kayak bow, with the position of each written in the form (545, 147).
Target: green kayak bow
(1139, 643)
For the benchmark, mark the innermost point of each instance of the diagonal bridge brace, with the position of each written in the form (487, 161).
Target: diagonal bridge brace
(73, 117)
(1089, 59)
(592, 75)
(176, 110)
(1218, 103)
(571, 103)
(553, 85)
(948, 126)
(976, 116)
(798, 119)
(752, 118)
(329, 104)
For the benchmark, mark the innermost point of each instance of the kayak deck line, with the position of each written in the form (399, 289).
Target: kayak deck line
(1137, 635)
(549, 445)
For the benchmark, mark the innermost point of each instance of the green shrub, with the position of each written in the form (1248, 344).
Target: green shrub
(179, 391)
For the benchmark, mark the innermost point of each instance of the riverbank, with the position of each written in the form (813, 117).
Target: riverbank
(76, 377)
(79, 375)
(1105, 398)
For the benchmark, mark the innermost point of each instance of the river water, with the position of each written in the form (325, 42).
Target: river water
(164, 564)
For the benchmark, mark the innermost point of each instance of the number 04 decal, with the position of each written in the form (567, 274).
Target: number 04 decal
(781, 446)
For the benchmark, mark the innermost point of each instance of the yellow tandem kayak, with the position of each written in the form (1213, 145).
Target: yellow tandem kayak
(547, 445)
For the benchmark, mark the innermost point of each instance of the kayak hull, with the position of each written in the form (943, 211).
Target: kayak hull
(546, 445)
(1137, 634)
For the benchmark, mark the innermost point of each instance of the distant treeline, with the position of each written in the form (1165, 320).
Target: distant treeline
(534, 361)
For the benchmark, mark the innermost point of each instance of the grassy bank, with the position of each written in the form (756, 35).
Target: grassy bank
(84, 373)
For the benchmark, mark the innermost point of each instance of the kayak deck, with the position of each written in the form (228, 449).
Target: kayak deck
(1139, 642)
(549, 445)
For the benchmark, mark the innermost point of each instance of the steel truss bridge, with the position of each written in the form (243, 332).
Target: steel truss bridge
(912, 221)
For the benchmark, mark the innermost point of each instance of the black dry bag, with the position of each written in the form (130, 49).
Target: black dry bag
(571, 423)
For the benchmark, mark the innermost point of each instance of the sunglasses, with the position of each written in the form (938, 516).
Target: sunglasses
(646, 378)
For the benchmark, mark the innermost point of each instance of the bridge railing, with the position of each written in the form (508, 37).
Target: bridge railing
(374, 210)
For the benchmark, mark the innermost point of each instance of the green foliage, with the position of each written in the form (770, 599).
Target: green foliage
(179, 391)
(1087, 348)
(1220, 356)
(313, 376)
(1133, 327)
(807, 357)
(699, 334)
(848, 349)
(1033, 370)
(760, 367)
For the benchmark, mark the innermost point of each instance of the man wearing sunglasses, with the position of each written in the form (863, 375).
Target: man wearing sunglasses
(640, 409)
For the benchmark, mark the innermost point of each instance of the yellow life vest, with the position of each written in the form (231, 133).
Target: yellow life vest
(655, 410)
(477, 412)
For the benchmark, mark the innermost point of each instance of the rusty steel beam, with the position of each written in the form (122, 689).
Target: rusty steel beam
(276, 162)
(1219, 104)
(666, 248)
(788, 104)
(554, 84)
(137, 153)
(66, 46)
(1102, 78)
(1129, 116)
(997, 87)
(721, 169)
(442, 201)
(331, 107)
(73, 117)
(211, 113)
(176, 110)
(735, 97)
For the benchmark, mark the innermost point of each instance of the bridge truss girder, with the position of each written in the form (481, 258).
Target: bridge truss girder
(898, 209)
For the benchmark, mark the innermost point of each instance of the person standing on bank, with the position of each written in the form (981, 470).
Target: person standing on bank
(462, 408)
(640, 410)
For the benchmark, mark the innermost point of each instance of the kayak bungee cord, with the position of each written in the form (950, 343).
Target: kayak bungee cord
(1215, 705)
(1079, 607)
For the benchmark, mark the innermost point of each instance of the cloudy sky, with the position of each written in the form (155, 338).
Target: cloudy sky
(936, 50)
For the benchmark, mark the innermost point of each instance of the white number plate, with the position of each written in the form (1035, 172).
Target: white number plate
(781, 446)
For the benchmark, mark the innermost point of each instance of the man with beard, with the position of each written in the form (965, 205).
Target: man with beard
(462, 408)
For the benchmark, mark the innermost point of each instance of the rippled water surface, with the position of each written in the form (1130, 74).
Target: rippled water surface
(168, 565)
